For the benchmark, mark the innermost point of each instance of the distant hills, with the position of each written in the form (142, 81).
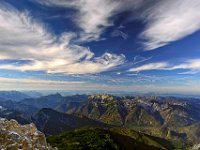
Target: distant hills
(22, 118)
(12, 95)
(18, 96)
(54, 101)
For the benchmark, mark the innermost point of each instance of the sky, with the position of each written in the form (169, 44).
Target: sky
(101, 45)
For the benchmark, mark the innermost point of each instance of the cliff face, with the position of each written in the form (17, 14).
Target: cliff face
(25, 137)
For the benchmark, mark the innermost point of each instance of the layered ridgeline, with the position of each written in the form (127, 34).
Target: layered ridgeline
(171, 118)
(141, 111)
(167, 117)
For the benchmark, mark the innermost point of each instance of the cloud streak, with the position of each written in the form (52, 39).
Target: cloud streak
(192, 65)
(169, 21)
(151, 66)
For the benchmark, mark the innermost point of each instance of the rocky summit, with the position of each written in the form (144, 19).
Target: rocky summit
(14, 136)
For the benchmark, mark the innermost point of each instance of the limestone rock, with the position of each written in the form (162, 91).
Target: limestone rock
(21, 137)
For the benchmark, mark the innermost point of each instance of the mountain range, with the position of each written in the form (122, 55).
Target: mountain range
(169, 118)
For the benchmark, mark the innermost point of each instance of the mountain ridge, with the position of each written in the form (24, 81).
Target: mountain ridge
(52, 122)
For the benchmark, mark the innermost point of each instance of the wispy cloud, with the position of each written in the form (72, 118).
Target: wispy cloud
(93, 16)
(151, 66)
(192, 65)
(139, 59)
(24, 38)
(166, 21)
(118, 33)
(169, 21)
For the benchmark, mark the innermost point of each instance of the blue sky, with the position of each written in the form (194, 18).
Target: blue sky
(110, 45)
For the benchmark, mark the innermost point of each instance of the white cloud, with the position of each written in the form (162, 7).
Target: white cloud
(170, 20)
(23, 38)
(93, 16)
(192, 65)
(151, 66)
(166, 21)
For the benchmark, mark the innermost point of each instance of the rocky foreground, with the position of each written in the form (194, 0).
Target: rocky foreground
(21, 137)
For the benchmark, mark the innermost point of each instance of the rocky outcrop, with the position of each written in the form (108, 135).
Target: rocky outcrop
(196, 147)
(21, 137)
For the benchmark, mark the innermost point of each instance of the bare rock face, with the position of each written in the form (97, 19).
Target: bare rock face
(21, 137)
